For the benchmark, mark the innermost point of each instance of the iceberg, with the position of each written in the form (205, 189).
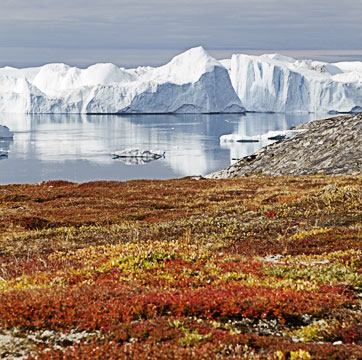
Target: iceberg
(192, 82)
(3, 155)
(282, 134)
(276, 83)
(5, 133)
(139, 153)
(238, 138)
(269, 136)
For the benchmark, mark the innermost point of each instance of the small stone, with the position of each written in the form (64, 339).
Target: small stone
(46, 334)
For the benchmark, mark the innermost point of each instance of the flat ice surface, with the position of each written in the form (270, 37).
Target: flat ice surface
(79, 147)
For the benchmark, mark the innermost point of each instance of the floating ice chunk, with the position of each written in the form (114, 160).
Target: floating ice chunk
(239, 138)
(139, 153)
(5, 133)
(271, 136)
(281, 135)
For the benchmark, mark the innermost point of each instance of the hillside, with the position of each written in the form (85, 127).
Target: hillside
(261, 268)
(332, 146)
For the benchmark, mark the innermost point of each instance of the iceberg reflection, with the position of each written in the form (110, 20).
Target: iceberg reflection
(5, 144)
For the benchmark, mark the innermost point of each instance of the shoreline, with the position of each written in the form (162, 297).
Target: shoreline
(329, 146)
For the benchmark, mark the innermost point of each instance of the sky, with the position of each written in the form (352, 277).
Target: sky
(149, 32)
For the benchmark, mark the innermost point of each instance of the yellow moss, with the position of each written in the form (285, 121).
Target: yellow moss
(300, 355)
(278, 355)
(331, 257)
(318, 331)
(313, 232)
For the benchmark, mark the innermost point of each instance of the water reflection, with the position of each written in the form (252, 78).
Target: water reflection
(4, 147)
(79, 147)
(135, 160)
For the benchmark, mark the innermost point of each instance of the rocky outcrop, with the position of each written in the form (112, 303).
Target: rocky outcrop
(332, 146)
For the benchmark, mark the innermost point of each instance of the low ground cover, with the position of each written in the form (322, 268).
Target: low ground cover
(262, 268)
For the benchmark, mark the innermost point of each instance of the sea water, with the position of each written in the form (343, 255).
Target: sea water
(79, 148)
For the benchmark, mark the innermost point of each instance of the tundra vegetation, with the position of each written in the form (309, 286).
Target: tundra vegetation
(259, 268)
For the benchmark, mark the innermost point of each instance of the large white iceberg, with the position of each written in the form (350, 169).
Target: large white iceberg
(275, 83)
(192, 82)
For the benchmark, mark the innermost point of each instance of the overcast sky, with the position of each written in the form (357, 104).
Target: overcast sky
(141, 32)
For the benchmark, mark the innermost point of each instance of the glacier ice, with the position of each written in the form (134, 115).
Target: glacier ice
(276, 83)
(192, 82)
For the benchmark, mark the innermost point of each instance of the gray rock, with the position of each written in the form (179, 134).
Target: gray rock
(331, 146)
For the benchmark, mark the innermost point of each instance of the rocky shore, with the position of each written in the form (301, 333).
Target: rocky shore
(331, 146)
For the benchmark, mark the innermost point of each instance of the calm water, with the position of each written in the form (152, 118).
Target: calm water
(78, 147)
